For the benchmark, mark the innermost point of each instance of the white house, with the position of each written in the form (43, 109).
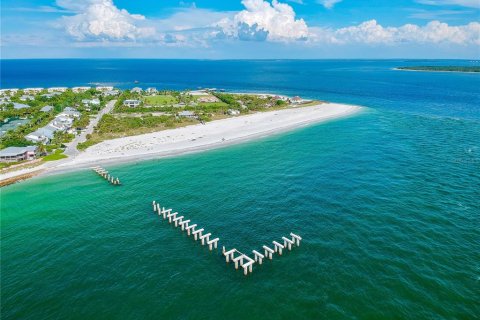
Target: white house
(10, 92)
(61, 122)
(136, 90)
(57, 89)
(151, 91)
(104, 88)
(27, 98)
(80, 89)
(111, 93)
(51, 95)
(70, 112)
(14, 154)
(296, 100)
(131, 103)
(91, 102)
(43, 135)
(32, 90)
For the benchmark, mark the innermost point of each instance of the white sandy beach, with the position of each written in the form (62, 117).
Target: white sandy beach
(197, 137)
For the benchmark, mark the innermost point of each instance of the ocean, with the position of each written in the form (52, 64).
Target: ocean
(386, 201)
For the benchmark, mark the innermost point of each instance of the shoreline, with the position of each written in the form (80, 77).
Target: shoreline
(196, 138)
(398, 69)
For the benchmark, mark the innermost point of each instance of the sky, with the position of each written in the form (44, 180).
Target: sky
(240, 29)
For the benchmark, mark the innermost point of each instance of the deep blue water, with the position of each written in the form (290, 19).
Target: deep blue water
(387, 202)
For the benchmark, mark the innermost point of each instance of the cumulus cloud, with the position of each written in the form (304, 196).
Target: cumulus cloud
(101, 19)
(329, 3)
(370, 32)
(262, 20)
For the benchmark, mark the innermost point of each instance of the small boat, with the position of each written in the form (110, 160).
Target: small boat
(136, 81)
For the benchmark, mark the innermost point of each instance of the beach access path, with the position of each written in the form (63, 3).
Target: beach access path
(71, 150)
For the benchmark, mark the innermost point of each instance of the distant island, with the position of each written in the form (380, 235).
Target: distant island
(442, 68)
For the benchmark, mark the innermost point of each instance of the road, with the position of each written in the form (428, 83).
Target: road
(71, 150)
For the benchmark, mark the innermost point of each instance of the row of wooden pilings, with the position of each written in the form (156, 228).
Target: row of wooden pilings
(104, 174)
(239, 258)
(184, 224)
(244, 261)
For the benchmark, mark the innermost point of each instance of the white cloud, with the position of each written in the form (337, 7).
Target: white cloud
(463, 3)
(329, 3)
(262, 20)
(101, 19)
(370, 32)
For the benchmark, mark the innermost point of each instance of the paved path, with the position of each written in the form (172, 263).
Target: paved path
(71, 150)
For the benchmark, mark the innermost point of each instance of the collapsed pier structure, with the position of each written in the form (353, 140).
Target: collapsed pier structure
(238, 258)
(104, 174)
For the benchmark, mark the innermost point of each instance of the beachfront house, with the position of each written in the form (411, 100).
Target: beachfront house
(131, 103)
(19, 106)
(57, 89)
(32, 90)
(47, 109)
(111, 93)
(296, 100)
(15, 154)
(136, 90)
(187, 114)
(42, 135)
(9, 92)
(104, 88)
(151, 91)
(80, 89)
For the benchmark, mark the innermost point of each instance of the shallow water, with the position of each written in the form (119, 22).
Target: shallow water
(386, 202)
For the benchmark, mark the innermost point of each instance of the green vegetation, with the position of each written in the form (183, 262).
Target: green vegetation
(156, 112)
(38, 119)
(442, 68)
(160, 100)
(57, 155)
(114, 126)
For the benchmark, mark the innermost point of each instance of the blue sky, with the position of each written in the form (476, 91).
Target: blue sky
(240, 29)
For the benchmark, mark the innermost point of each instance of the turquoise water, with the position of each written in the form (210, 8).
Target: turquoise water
(386, 202)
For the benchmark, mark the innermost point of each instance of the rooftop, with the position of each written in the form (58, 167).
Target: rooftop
(14, 151)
